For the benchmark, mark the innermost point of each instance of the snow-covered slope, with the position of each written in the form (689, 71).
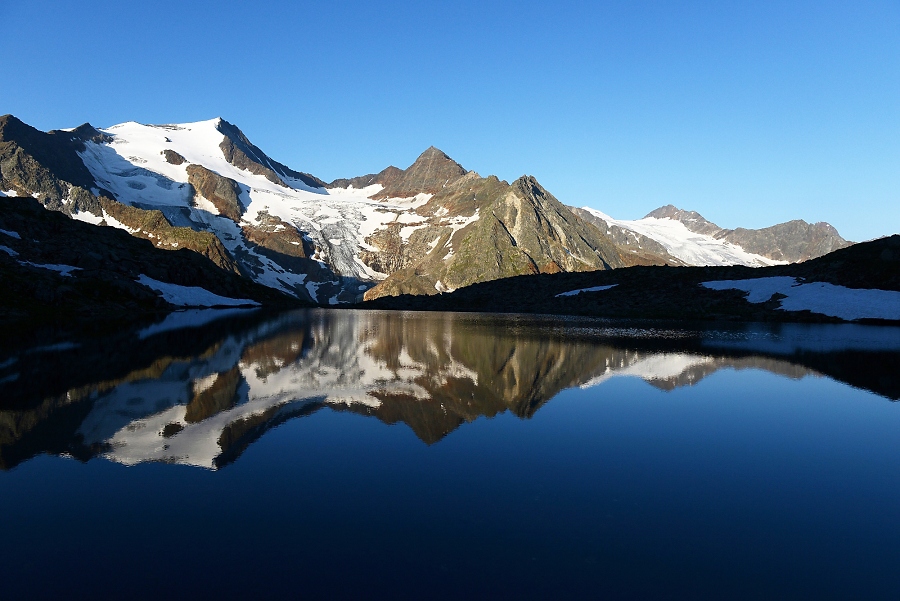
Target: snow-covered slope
(137, 169)
(690, 247)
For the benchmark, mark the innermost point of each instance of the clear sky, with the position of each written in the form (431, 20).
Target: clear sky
(751, 113)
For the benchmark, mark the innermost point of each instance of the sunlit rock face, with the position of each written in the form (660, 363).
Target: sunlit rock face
(200, 387)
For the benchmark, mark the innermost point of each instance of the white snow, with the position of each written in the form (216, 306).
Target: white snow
(580, 290)
(11, 234)
(191, 296)
(656, 366)
(681, 243)
(63, 270)
(818, 297)
(8, 251)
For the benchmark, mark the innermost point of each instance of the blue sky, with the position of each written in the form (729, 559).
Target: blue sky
(751, 113)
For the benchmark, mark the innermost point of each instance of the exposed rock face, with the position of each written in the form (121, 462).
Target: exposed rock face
(636, 248)
(47, 166)
(241, 153)
(276, 235)
(153, 226)
(792, 241)
(692, 220)
(481, 229)
(223, 192)
(173, 157)
(429, 174)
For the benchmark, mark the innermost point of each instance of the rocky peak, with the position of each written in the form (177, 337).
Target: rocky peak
(692, 220)
(429, 174)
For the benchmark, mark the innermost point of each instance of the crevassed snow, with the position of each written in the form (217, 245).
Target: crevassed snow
(818, 297)
(63, 270)
(191, 296)
(580, 290)
(11, 234)
(681, 243)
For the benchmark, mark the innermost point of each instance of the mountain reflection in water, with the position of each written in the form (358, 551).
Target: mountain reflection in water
(201, 395)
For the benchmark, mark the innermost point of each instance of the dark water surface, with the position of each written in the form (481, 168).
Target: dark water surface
(339, 454)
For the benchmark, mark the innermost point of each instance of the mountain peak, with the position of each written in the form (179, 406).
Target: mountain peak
(429, 174)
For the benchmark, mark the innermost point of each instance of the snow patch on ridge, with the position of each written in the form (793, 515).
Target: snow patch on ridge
(580, 290)
(191, 296)
(818, 297)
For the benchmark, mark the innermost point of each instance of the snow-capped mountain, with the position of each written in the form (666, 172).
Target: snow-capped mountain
(431, 228)
(692, 240)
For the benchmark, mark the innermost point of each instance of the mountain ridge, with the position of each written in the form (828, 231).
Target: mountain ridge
(426, 229)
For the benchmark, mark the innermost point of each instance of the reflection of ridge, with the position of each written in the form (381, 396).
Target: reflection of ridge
(432, 372)
(668, 371)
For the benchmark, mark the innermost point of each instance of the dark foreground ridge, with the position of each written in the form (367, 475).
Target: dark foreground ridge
(659, 292)
(103, 265)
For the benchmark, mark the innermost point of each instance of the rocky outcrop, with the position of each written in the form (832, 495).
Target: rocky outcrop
(429, 174)
(47, 166)
(152, 225)
(793, 241)
(223, 192)
(172, 157)
(241, 153)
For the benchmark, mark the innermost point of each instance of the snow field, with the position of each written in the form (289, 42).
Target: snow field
(818, 297)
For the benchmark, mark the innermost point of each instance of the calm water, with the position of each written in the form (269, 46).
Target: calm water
(348, 454)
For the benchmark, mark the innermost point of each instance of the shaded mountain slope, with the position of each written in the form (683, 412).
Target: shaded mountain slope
(55, 268)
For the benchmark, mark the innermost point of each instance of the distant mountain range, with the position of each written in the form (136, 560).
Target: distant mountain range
(431, 228)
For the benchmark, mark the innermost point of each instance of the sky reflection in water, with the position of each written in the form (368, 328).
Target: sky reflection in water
(732, 462)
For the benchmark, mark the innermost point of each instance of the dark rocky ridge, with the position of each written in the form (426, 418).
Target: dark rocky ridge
(109, 260)
(241, 153)
(47, 165)
(792, 241)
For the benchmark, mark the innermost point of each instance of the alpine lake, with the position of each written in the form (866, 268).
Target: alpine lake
(356, 454)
